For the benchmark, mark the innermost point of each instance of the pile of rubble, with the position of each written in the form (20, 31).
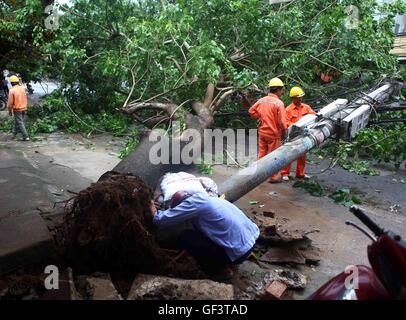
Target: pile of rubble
(284, 245)
(100, 286)
(280, 244)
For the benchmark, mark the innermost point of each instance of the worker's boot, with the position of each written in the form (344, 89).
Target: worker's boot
(275, 179)
(285, 178)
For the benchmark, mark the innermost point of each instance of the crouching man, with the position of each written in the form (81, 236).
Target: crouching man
(222, 234)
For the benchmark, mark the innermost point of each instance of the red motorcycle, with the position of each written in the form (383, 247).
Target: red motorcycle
(387, 277)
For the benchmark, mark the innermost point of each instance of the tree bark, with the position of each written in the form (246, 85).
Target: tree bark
(138, 162)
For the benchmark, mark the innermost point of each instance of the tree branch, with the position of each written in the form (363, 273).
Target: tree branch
(167, 107)
(239, 55)
(183, 72)
(220, 101)
(213, 103)
(327, 64)
(209, 95)
(134, 103)
(132, 87)
(154, 121)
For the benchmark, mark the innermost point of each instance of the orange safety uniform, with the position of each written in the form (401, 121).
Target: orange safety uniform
(294, 114)
(270, 110)
(17, 99)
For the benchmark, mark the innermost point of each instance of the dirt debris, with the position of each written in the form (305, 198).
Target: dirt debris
(98, 286)
(288, 255)
(269, 214)
(149, 287)
(26, 287)
(294, 280)
(311, 254)
(274, 230)
(291, 279)
(280, 243)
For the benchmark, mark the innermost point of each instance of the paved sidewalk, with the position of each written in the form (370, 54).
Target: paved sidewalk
(29, 185)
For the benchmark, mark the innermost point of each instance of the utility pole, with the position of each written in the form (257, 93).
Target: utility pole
(344, 119)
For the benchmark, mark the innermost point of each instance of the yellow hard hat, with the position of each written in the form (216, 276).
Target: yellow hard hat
(276, 82)
(296, 92)
(14, 79)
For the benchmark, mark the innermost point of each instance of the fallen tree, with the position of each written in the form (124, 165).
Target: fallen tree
(165, 61)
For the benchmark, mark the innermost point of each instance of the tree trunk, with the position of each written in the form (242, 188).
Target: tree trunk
(138, 162)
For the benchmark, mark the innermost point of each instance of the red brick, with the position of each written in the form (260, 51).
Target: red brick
(276, 289)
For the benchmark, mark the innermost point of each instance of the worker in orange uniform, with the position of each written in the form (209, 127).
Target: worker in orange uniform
(17, 104)
(294, 112)
(270, 111)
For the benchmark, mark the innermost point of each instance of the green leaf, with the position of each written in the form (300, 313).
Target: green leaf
(312, 186)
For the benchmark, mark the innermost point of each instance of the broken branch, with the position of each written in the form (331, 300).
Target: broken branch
(167, 107)
(209, 95)
(220, 101)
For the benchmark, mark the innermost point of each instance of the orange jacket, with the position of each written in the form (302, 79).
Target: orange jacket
(17, 99)
(294, 113)
(270, 110)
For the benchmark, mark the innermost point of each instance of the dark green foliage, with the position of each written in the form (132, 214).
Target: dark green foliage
(312, 186)
(359, 167)
(6, 124)
(378, 143)
(344, 196)
(129, 145)
(339, 196)
(53, 114)
(205, 168)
